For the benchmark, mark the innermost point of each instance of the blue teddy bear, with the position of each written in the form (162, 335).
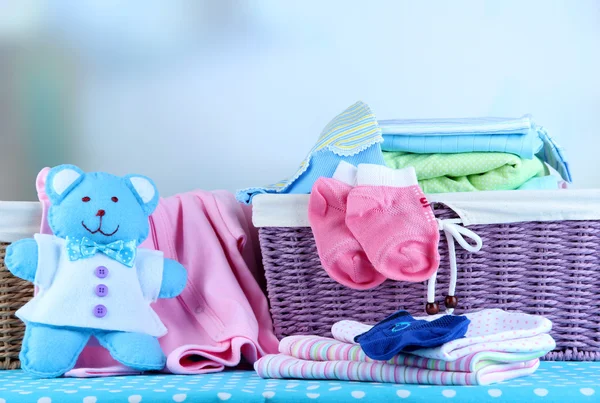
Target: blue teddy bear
(92, 278)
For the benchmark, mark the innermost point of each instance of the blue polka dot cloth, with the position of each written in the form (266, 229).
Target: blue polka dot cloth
(553, 382)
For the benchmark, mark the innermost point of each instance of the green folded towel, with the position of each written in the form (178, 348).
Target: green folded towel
(468, 172)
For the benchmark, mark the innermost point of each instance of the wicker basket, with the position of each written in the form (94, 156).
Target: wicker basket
(547, 268)
(14, 293)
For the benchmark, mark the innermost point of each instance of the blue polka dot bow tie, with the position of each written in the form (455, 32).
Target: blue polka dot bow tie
(121, 251)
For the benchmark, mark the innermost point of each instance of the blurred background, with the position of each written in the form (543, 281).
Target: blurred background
(227, 94)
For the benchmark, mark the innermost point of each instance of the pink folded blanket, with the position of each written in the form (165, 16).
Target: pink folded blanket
(283, 366)
(315, 348)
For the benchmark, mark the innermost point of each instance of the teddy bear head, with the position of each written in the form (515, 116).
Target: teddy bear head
(99, 206)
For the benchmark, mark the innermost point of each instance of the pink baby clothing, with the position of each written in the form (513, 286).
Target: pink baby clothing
(389, 215)
(342, 256)
(279, 366)
(40, 185)
(222, 317)
(316, 348)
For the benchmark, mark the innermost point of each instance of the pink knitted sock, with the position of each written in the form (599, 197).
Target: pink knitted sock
(391, 218)
(341, 255)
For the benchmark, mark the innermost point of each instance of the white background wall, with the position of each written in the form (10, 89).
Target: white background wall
(233, 94)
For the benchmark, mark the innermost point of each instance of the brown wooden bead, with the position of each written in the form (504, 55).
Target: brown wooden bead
(432, 308)
(451, 301)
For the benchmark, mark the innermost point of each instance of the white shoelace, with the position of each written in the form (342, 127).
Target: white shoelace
(453, 232)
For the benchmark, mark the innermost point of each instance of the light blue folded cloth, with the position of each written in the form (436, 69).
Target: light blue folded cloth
(520, 136)
(449, 136)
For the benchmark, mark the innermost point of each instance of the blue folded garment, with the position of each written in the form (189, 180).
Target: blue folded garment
(520, 136)
(552, 154)
(432, 136)
(400, 332)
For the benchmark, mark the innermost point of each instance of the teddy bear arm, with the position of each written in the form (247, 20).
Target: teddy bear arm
(173, 280)
(22, 258)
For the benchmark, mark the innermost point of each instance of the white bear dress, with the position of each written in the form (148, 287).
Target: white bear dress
(95, 292)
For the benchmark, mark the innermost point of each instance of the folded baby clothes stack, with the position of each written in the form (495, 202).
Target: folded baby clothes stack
(461, 155)
(508, 153)
(497, 346)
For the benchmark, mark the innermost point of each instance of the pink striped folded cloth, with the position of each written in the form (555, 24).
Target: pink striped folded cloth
(314, 357)
(315, 348)
(284, 366)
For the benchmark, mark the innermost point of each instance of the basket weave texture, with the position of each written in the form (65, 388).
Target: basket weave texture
(14, 293)
(542, 268)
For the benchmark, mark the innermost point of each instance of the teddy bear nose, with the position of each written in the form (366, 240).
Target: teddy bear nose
(100, 213)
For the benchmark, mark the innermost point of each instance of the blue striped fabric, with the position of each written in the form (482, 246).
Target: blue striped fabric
(350, 136)
(350, 132)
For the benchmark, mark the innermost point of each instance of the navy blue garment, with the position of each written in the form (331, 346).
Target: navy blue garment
(401, 332)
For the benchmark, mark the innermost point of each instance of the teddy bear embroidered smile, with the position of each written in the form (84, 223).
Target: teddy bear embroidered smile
(92, 278)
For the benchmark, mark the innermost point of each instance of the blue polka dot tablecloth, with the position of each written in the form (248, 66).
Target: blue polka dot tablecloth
(553, 382)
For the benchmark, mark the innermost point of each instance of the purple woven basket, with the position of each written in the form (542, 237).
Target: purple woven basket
(543, 268)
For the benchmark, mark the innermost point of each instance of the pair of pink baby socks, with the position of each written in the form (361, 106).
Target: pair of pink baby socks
(373, 223)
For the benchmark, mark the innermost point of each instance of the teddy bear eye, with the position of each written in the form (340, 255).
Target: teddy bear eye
(114, 198)
(85, 199)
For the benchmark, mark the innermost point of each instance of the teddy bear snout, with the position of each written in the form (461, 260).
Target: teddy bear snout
(100, 213)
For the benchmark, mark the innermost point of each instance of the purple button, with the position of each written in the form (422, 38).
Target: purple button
(100, 311)
(101, 272)
(101, 290)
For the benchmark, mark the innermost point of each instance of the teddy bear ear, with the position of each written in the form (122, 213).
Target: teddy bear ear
(144, 190)
(61, 180)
